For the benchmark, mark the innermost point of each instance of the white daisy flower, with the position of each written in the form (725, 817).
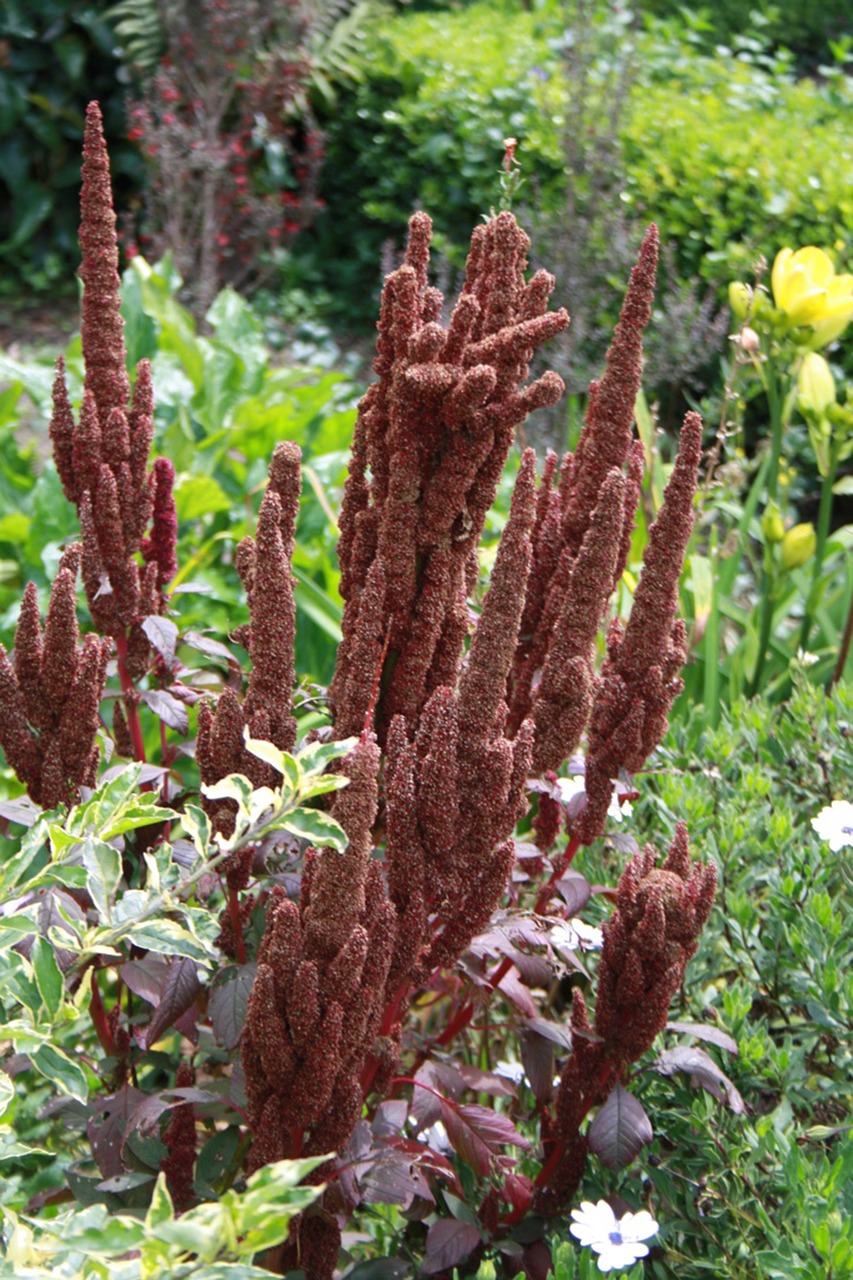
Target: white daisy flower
(617, 1241)
(835, 824)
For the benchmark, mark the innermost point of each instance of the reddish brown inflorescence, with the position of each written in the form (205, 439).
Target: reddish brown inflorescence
(650, 937)
(50, 695)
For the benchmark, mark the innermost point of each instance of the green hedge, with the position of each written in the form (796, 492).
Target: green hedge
(729, 155)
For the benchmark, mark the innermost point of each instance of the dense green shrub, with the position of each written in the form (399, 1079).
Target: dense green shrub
(800, 25)
(728, 154)
(55, 55)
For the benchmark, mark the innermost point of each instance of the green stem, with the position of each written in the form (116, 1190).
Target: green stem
(823, 521)
(774, 404)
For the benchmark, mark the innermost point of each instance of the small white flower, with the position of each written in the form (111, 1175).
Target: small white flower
(617, 1241)
(835, 824)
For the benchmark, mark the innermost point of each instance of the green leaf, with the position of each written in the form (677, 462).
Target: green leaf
(48, 976)
(317, 755)
(168, 938)
(161, 1208)
(314, 825)
(200, 496)
(103, 864)
(235, 787)
(13, 929)
(68, 1076)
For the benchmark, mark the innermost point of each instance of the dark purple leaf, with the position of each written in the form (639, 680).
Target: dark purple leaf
(575, 890)
(108, 1127)
(151, 1107)
(515, 990)
(487, 1081)
(537, 1056)
(162, 635)
(167, 708)
(476, 1133)
(705, 1031)
(625, 843)
(620, 1129)
(554, 1031)
(229, 997)
(703, 1071)
(390, 1117)
(440, 1078)
(537, 1261)
(146, 976)
(447, 1243)
(391, 1178)
(428, 1158)
(524, 849)
(181, 987)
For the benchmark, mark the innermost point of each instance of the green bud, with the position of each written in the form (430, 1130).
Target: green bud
(798, 546)
(486, 1270)
(740, 299)
(771, 524)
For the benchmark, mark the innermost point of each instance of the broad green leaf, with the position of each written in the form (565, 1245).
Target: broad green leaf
(68, 1076)
(266, 751)
(103, 864)
(321, 786)
(168, 938)
(197, 826)
(161, 1208)
(13, 929)
(314, 825)
(197, 496)
(235, 787)
(48, 975)
(7, 1093)
(317, 755)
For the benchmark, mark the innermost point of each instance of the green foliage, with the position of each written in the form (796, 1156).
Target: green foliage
(706, 142)
(59, 54)
(769, 1195)
(799, 25)
(213, 1241)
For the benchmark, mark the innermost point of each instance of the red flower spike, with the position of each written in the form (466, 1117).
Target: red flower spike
(102, 327)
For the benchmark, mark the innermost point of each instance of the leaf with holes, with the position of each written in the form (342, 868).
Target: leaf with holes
(620, 1129)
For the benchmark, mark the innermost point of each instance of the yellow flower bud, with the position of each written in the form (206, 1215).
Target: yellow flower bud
(798, 546)
(771, 524)
(740, 298)
(816, 385)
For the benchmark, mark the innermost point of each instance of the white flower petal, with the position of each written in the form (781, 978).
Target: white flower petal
(637, 1226)
(617, 1256)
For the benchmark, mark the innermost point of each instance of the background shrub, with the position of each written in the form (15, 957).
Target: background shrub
(55, 56)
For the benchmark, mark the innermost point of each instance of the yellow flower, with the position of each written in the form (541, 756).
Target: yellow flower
(798, 546)
(809, 292)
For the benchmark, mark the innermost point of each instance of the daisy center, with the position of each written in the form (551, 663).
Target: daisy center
(615, 1237)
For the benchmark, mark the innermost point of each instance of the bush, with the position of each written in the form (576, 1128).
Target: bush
(55, 55)
(706, 143)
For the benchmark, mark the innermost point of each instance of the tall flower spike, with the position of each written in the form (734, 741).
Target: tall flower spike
(101, 323)
(640, 677)
(434, 434)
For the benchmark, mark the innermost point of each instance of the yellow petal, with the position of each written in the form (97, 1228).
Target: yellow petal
(800, 299)
(777, 277)
(816, 263)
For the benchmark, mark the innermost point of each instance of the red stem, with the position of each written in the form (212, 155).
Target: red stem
(463, 1016)
(98, 1014)
(389, 1017)
(130, 703)
(236, 925)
